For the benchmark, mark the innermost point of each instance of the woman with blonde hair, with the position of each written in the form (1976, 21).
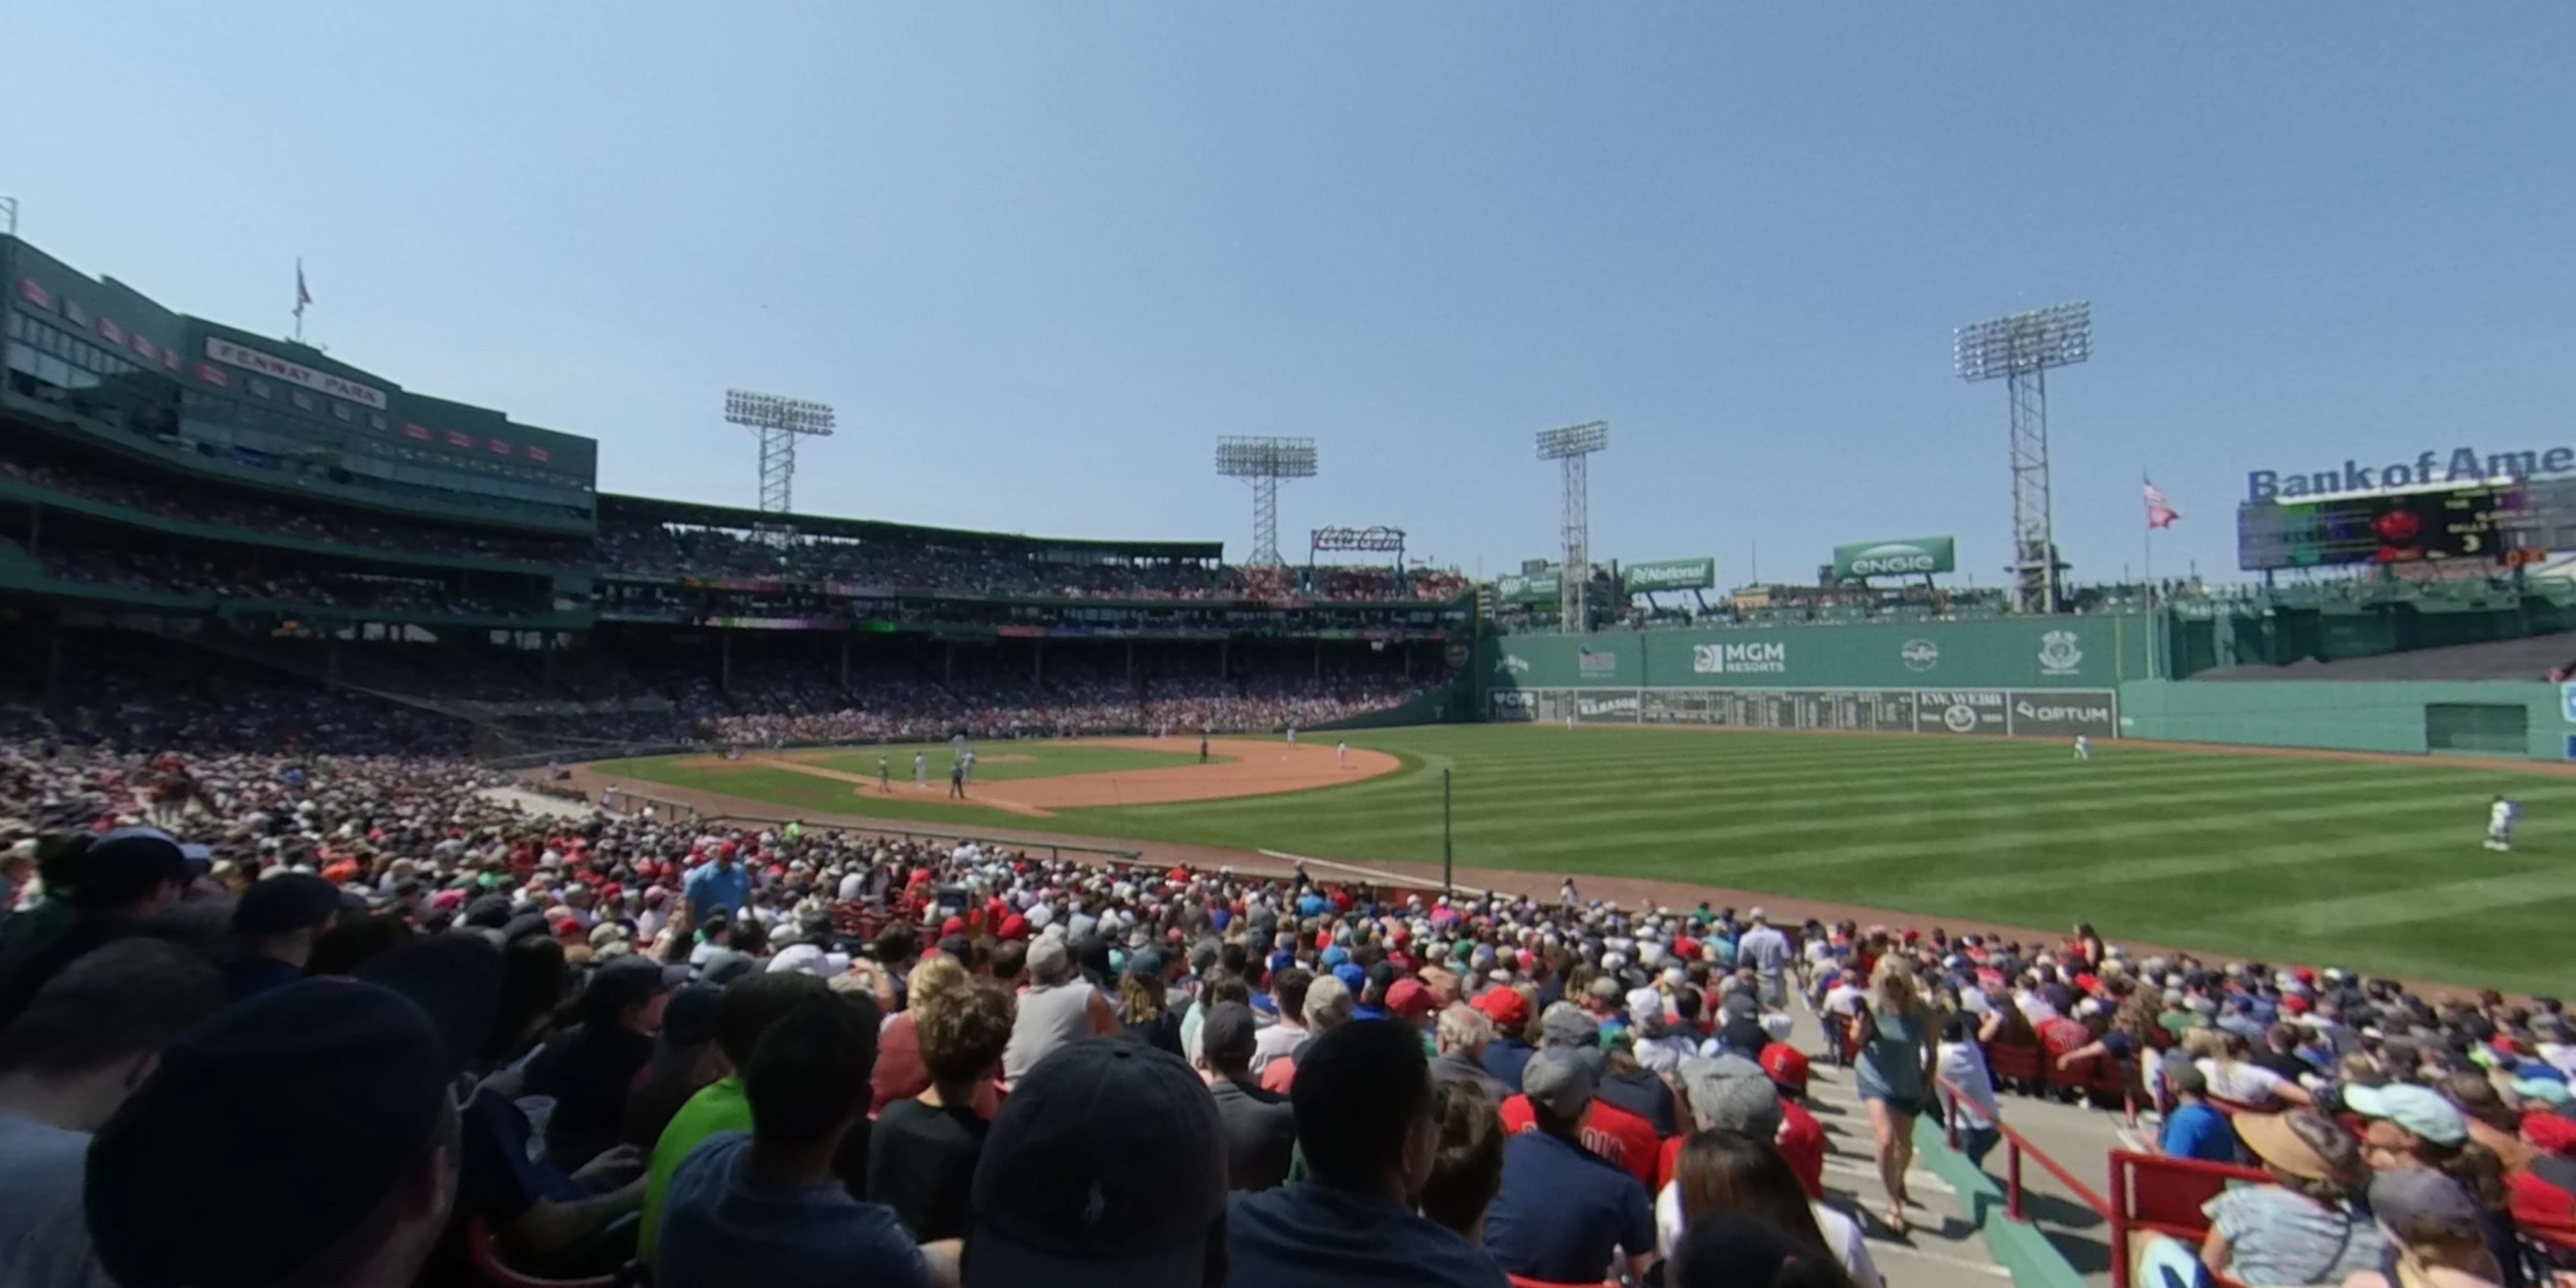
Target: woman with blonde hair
(1894, 1073)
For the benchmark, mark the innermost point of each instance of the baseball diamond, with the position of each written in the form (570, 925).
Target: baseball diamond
(2310, 857)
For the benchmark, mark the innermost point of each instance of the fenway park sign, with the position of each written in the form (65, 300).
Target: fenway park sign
(2459, 465)
(293, 373)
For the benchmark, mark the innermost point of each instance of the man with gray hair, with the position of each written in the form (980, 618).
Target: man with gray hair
(1766, 950)
(1328, 1007)
(1462, 1034)
(1060, 1008)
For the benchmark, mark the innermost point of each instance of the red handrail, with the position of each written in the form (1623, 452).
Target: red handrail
(2016, 1145)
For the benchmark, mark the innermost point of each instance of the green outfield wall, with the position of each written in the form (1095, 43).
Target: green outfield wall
(2503, 718)
(2006, 653)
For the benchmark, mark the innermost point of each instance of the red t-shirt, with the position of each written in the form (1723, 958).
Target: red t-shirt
(1801, 1141)
(1612, 1132)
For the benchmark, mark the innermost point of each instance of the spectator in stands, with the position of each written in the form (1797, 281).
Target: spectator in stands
(1363, 1106)
(1462, 1035)
(748, 1008)
(2234, 1076)
(83, 1043)
(2438, 1232)
(98, 889)
(1563, 1209)
(1724, 1171)
(1288, 996)
(922, 1151)
(276, 922)
(718, 885)
(684, 1061)
(1509, 1051)
(1144, 1013)
(2307, 1227)
(1637, 1089)
(1260, 1127)
(1328, 1007)
(2193, 1129)
(590, 1071)
(1729, 1250)
(764, 1206)
(1767, 951)
(1106, 1166)
(1467, 1172)
(1894, 1073)
(317, 1185)
(2412, 1126)
(1060, 1008)
(1966, 1089)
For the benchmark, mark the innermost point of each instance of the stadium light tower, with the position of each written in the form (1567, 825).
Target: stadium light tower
(1262, 462)
(2020, 349)
(1574, 445)
(781, 421)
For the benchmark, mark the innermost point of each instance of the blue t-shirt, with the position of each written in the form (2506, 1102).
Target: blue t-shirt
(719, 1230)
(1311, 1233)
(711, 888)
(1562, 1210)
(2198, 1131)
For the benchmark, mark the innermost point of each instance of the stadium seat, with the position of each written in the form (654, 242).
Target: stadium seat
(2015, 1064)
(2154, 1194)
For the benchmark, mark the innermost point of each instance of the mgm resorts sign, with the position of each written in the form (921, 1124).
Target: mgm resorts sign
(2463, 465)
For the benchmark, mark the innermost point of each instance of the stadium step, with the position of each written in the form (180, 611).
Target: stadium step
(1941, 1245)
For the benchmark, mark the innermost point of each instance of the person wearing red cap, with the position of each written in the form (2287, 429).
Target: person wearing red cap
(1409, 1001)
(1508, 1053)
(1015, 926)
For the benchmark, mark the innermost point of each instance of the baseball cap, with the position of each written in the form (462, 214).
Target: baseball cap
(690, 1020)
(284, 904)
(1565, 1024)
(1228, 1033)
(2419, 1110)
(2419, 1200)
(1787, 1067)
(1106, 1166)
(1732, 1092)
(1559, 1082)
(1506, 1008)
(123, 865)
(628, 980)
(1409, 998)
(318, 1099)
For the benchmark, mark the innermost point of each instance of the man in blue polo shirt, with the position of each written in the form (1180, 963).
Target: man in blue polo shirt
(1563, 1209)
(720, 886)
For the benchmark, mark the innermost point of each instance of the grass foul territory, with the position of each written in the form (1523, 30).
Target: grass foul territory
(2372, 864)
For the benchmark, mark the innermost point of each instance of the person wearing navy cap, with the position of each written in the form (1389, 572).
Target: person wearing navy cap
(591, 1070)
(326, 1109)
(118, 879)
(277, 920)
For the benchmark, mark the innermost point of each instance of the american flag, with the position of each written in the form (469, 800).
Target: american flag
(302, 296)
(2160, 513)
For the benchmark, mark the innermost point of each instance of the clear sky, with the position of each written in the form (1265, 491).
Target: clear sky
(1041, 255)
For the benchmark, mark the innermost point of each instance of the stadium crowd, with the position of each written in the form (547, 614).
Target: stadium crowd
(802, 1056)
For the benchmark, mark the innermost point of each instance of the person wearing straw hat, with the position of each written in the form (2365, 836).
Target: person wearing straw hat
(2305, 1227)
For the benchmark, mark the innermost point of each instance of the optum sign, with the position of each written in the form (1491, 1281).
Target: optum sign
(1918, 557)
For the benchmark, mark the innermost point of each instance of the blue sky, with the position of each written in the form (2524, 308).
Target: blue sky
(1041, 255)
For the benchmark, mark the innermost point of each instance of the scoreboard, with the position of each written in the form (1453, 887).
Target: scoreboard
(2496, 523)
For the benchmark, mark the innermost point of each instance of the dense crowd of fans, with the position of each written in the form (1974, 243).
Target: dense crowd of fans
(806, 1056)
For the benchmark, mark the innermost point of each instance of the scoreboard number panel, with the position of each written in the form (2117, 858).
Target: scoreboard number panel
(2483, 523)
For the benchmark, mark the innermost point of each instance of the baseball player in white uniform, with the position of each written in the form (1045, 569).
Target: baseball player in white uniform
(1292, 735)
(920, 771)
(1341, 755)
(2500, 817)
(2083, 748)
(969, 762)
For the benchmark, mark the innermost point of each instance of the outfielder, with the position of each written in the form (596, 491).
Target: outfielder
(885, 786)
(920, 771)
(2500, 818)
(2083, 748)
(1341, 755)
(969, 762)
(1292, 735)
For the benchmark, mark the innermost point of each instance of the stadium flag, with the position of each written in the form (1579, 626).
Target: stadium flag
(302, 298)
(2159, 513)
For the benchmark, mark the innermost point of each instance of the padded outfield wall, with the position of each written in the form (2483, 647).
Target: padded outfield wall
(2052, 677)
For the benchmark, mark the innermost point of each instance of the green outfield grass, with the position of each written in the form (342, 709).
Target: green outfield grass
(2372, 865)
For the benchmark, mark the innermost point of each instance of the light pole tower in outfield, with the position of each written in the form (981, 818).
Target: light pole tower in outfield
(1262, 462)
(2020, 349)
(780, 422)
(1574, 445)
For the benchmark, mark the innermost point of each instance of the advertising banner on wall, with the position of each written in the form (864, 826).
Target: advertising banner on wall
(1670, 574)
(1910, 558)
(1992, 713)
(1526, 588)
